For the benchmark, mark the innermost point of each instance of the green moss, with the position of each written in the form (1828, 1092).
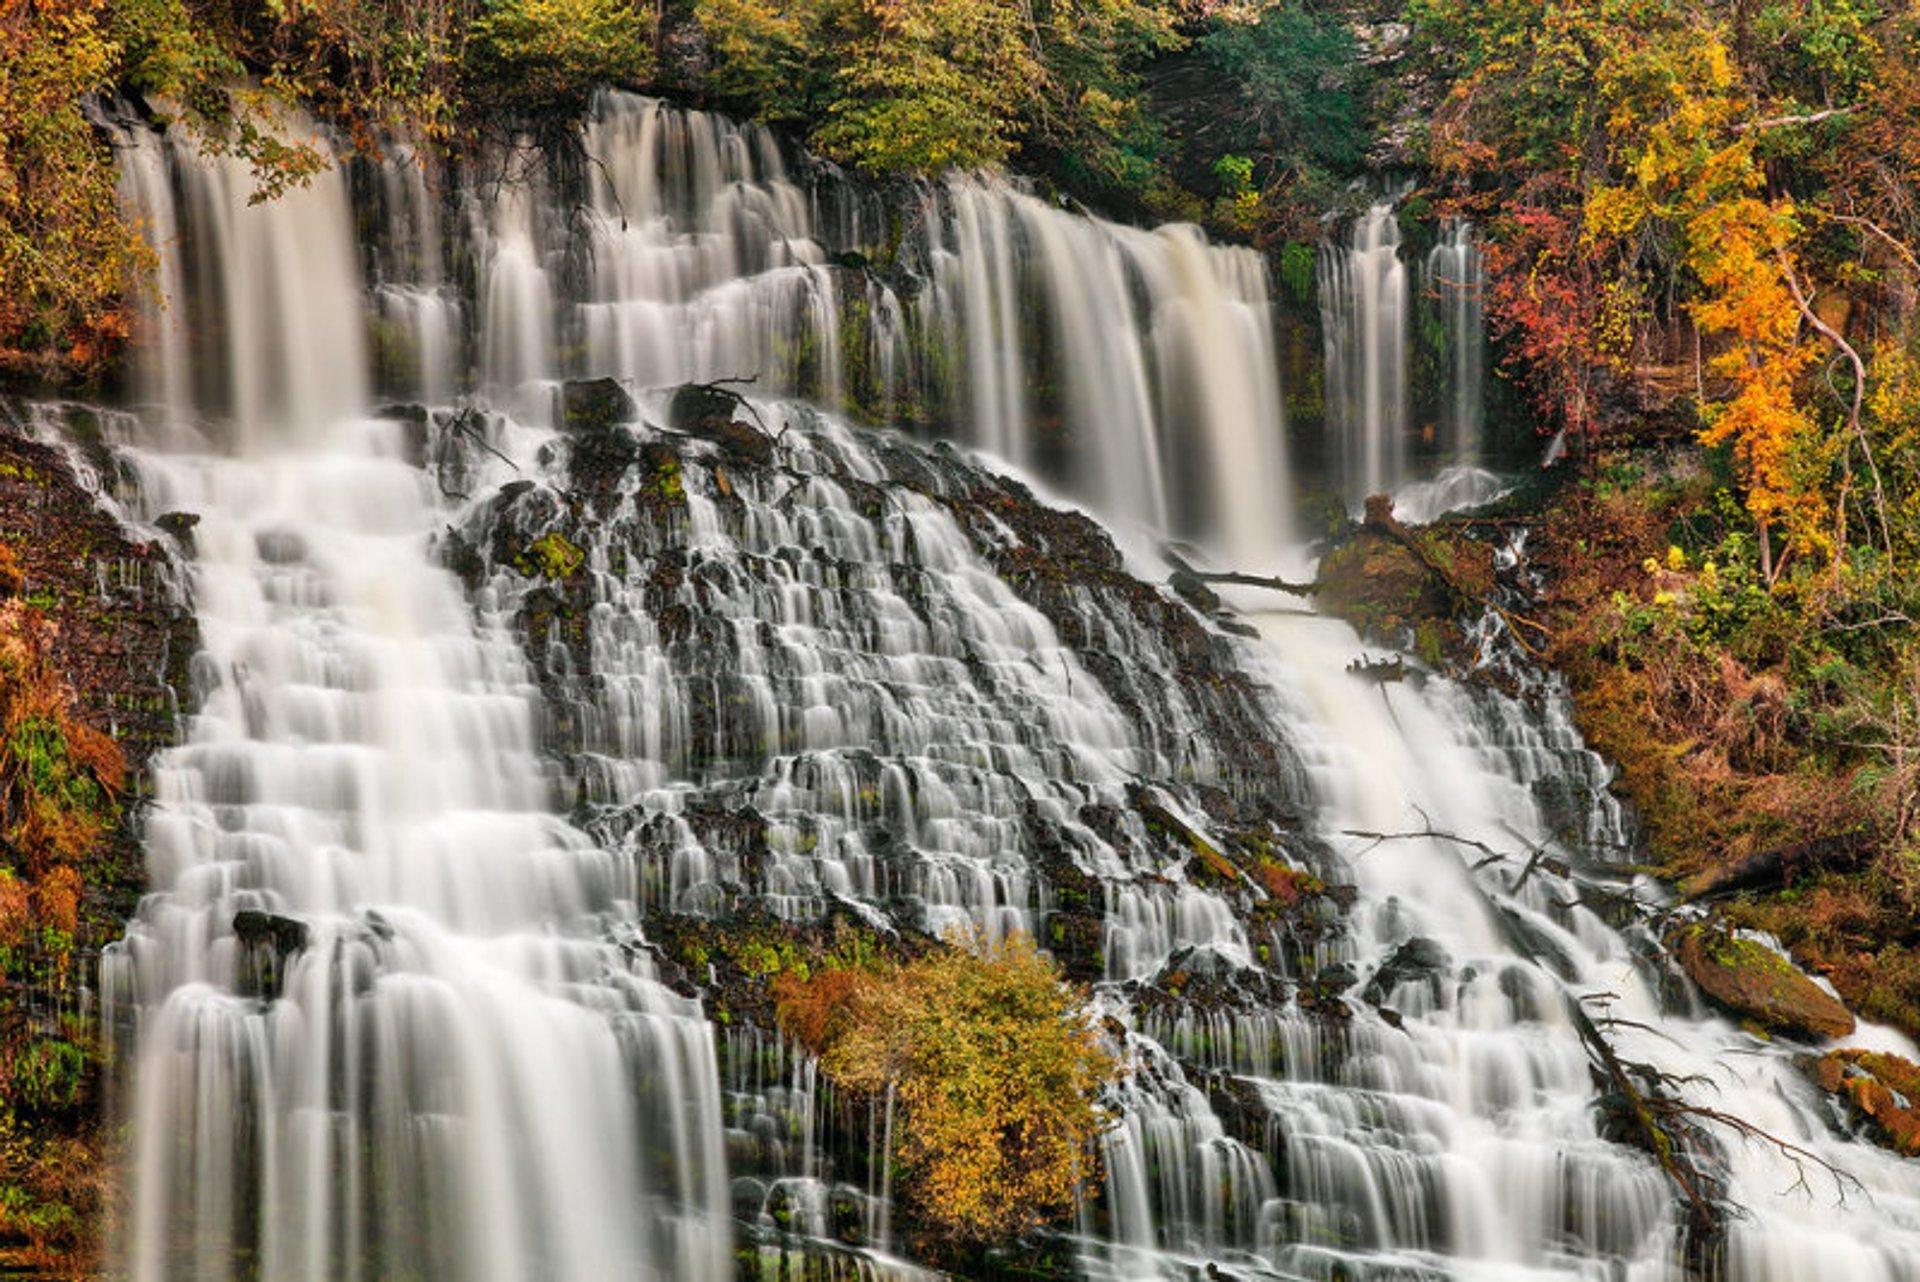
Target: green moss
(667, 482)
(551, 556)
(39, 748)
(1751, 957)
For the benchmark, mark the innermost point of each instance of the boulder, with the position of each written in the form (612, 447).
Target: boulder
(707, 411)
(595, 406)
(258, 929)
(1377, 584)
(1751, 981)
(179, 526)
(1418, 960)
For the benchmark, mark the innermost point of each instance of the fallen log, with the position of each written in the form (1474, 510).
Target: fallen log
(1190, 582)
(1378, 671)
(1770, 869)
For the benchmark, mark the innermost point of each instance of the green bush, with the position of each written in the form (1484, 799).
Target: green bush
(538, 56)
(47, 1076)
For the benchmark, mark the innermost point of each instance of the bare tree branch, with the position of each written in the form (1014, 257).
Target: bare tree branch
(1788, 122)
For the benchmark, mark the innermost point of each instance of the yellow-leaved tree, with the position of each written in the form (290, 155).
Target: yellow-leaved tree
(992, 1064)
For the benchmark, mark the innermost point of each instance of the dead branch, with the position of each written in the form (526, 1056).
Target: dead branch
(462, 424)
(1256, 581)
(1886, 237)
(1181, 567)
(1788, 122)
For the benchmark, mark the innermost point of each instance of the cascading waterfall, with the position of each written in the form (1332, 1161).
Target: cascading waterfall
(399, 1015)
(390, 1015)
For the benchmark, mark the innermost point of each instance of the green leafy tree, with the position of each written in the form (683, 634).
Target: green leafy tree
(550, 55)
(926, 85)
(1297, 75)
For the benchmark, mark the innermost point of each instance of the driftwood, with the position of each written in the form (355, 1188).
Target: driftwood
(1777, 867)
(1378, 671)
(1192, 584)
(1256, 581)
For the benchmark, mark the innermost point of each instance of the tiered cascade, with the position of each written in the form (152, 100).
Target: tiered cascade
(505, 675)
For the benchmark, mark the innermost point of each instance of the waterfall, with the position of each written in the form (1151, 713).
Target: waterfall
(1456, 287)
(498, 690)
(1364, 314)
(1075, 331)
(389, 1018)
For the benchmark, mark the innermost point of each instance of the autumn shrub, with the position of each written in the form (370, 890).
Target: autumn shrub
(59, 797)
(52, 1194)
(66, 254)
(991, 1063)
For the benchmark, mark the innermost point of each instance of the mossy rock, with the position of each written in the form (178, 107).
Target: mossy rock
(595, 406)
(1884, 1089)
(552, 556)
(1751, 981)
(1378, 585)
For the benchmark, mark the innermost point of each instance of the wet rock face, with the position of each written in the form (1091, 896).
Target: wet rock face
(810, 684)
(1753, 982)
(122, 636)
(833, 667)
(1157, 661)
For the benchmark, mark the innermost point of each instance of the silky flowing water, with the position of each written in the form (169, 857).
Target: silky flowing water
(394, 1009)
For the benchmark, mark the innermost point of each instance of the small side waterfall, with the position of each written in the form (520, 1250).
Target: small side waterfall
(1137, 332)
(1456, 289)
(505, 682)
(1364, 313)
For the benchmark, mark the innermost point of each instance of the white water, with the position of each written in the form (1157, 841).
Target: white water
(440, 1082)
(470, 1068)
(1155, 344)
(1456, 289)
(1364, 313)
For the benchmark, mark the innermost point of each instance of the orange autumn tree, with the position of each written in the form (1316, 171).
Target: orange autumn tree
(1737, 248)
(1685, 148)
